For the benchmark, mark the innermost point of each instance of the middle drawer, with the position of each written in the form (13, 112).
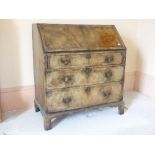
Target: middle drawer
(89, 75)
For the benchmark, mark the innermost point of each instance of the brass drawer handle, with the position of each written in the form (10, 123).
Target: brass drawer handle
(88, 70)
(108, 74)
(106, 93)
(67, 78)
(67, 100)
(65, 61)
(109, 59)
(87, 89)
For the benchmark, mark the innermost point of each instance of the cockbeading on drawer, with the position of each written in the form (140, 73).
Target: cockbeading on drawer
(67, 60)
(83, 96)
(88, 75)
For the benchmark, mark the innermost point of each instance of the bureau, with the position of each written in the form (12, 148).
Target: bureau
(77, 68)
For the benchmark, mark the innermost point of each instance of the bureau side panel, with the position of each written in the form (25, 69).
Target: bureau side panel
(39, 68)
(123, 80)
(0, 115)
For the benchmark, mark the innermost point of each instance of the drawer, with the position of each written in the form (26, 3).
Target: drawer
(88, 75)
(85, 96)
(84, 59)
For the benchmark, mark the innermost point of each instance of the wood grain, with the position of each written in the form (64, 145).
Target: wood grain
(81, 59)
(76, 77)
(65, 37)
(39, 67)
(81, 98)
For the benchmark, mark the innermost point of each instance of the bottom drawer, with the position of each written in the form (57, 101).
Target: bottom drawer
(85, 96)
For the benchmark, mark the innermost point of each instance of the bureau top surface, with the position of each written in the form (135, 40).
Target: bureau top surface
(72, 38)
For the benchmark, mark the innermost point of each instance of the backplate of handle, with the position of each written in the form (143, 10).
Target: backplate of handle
(67, 100)
(87, 89)
(109, 59)
(108, 74)
(106, 93)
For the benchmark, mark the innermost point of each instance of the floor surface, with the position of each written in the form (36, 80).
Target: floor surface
(139, 118)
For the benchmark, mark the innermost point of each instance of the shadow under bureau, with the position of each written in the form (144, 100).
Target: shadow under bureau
(76, 68)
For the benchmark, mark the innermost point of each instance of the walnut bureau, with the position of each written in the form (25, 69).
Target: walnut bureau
(77, 68)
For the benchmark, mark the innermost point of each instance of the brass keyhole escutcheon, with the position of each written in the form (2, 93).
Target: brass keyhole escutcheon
(88, 70)
(88, 56)
(65, 61)
(67, 78)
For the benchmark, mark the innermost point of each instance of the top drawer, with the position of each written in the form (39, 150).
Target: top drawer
(66, 60)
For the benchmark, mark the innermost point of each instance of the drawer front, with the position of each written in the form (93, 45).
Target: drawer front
(80, 97)
(83, 59)
(88, 75)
